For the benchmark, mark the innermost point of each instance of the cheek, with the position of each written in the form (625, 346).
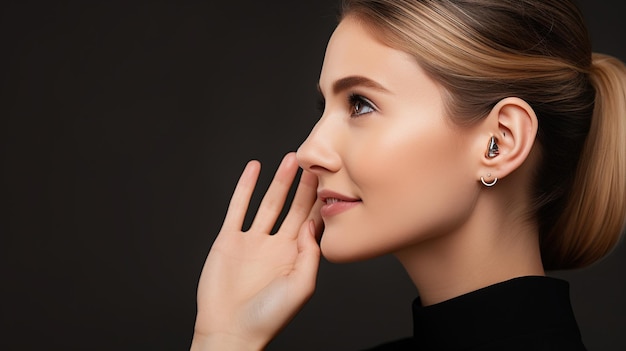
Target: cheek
(413, 166)
(414, 184)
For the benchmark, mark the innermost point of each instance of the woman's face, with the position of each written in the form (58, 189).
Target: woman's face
(392, 168)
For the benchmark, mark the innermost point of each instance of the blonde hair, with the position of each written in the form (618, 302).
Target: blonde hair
(482, 51)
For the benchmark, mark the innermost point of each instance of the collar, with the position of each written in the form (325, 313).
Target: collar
(525, 306)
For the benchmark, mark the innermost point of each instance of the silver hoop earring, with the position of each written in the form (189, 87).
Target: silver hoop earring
(489, 185)
(492, 149)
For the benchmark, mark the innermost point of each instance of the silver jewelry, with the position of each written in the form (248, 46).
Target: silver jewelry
(492, 148)
(489, 185)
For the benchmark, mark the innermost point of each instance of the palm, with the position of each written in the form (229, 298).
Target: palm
(253, 283)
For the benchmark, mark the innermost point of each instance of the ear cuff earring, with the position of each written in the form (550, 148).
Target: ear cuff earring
(492, 148)
(492, 183)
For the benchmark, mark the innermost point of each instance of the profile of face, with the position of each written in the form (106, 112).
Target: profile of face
(393, 170)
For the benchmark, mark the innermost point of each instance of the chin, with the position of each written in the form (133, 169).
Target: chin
(336, 250)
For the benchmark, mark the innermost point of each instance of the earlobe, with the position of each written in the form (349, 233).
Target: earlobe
(509, 135)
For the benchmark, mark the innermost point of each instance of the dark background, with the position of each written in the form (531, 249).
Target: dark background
(124, 127)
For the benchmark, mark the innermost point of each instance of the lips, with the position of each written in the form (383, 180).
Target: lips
(335, 203)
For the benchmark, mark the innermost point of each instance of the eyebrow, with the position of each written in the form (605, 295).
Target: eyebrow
(352, 81)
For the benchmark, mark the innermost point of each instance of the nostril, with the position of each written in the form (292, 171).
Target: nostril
(316, 168)
(317, 153)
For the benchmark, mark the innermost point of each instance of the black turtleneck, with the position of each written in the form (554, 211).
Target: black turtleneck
(527, 313)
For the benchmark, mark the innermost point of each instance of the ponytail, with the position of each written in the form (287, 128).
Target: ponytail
(595, 214)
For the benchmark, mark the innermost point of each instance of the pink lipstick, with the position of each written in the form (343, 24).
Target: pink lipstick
(335, 203)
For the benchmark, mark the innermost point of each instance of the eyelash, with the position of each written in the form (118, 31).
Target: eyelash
(353, 100)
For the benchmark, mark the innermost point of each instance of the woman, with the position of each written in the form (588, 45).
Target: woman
(478, 141)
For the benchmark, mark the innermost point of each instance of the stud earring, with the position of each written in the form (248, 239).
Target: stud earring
(492, 183)
(492, 148)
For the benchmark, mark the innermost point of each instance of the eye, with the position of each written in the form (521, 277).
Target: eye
(360, 105)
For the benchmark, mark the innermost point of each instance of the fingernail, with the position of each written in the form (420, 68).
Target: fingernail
(312, 226)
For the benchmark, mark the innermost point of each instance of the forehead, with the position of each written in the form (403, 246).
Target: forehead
(354, 51)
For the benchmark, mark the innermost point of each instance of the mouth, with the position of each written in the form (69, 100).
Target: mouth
(332, 200)
(335, 203)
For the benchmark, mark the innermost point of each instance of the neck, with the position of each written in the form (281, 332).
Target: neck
(480, 253)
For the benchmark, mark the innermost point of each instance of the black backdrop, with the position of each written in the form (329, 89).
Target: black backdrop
(124, 127)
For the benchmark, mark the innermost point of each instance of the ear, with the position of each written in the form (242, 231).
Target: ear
(514, 125)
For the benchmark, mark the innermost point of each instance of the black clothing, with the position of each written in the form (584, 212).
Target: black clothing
(527, 313)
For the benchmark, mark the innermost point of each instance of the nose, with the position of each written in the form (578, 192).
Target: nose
(319, 152)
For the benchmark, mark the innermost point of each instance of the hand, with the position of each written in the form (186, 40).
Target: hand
(253, 283)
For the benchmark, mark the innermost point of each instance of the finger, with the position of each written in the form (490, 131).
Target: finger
(274, 200)
(306, 194)
(304, 274)
(316, 217)
(240, 200)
